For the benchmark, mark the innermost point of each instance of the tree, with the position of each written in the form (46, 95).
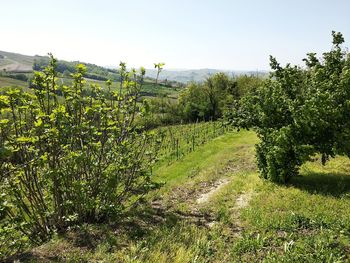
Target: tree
(194, 103)
(159, 68)
(298, 113)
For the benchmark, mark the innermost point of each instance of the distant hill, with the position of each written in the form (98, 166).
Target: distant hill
(13, 62)
(17, 69)
(18, 63)
(197, 75)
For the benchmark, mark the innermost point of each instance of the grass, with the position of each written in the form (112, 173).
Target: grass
(17, 58)
(9, 82)
(159, 91)
(253, 220)
(207, 160)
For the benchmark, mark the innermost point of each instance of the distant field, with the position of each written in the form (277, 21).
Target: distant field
(6, 82)
(15, 62)
(148, 90)
(164, 91)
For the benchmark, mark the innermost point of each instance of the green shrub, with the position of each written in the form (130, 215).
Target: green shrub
(70, 159)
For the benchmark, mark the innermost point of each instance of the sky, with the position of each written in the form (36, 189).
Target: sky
(184, 34)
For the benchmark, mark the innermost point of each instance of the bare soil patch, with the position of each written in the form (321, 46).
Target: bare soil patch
(205, 197)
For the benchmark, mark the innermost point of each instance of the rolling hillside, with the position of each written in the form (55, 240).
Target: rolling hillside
(18, 63)
(14, 66)
(13, 62)
(199, 75)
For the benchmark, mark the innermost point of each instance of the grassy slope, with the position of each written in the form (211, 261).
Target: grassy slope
(305, 221)
(207, 159)
(9, 82)
(16, 62)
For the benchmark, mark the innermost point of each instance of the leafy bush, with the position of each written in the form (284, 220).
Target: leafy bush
(70, 159)
(299, 112)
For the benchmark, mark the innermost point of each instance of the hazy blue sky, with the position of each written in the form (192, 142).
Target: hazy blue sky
(223, 34)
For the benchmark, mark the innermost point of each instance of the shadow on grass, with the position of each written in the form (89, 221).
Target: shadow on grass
(334, 184)
(31, 257)
(137, 224)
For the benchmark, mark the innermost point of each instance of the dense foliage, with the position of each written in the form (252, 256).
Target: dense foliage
(206, 101)
(200, 101)
(70, 159)
(299, 112)
(210, 100)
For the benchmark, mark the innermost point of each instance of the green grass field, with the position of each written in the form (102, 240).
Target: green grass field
(9, 82)
(15, 62)
(213, 207)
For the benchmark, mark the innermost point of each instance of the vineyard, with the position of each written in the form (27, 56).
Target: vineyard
(179, 140)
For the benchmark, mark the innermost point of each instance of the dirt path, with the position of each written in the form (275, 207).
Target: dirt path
(242, 201)
(196, 200)
(206, 196)
(190, 201)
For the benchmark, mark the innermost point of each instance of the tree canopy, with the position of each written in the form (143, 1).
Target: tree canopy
(299, 112)
(210, 99)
